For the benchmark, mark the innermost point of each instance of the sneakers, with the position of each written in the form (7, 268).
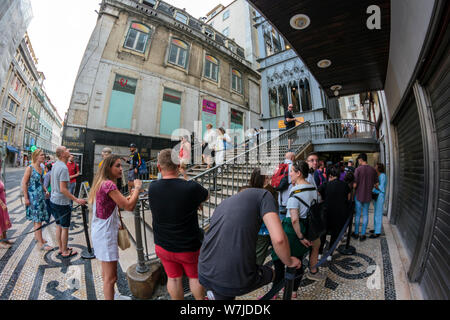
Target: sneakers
(355, 235)
(374, 235)
(316, 276)
(362, 238)
(329, 258)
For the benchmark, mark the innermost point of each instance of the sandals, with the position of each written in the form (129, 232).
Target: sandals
(68, 248)
(46, 247)
(5, 245)
(71, 254)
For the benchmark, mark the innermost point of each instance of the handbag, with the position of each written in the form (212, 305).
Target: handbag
(374, 196)
(123, 238)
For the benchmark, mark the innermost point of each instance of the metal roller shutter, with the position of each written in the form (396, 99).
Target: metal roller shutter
(436, 277)
(409, 201)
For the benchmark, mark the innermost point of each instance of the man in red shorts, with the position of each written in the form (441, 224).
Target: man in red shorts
(174, 203)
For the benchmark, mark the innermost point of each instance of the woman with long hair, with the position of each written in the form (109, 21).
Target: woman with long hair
(106, 199)
(184, 155)
(35, 193)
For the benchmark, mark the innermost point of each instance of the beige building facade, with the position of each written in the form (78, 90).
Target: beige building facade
(152, 72)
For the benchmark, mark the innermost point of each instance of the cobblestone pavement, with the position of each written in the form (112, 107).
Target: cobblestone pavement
(29, 274)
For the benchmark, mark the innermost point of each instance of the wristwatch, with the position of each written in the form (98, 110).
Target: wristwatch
(301, 239)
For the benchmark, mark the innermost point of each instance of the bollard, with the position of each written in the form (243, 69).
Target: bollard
(90, 253)
(142, 277)
(289, 275)
(347, 249)
(140, 267)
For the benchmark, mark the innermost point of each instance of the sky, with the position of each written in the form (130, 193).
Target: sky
(60, 31)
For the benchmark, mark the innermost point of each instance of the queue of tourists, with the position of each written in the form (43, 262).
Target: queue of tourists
(267, 220)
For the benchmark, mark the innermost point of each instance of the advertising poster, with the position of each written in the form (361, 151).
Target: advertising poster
(209, 110)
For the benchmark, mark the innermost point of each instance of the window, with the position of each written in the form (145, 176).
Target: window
(120, 111)
(211, 68)
(12, 106)
(295, 98)
(209, 32)
(226, 15)
(305, 95)
(236, 81)
(282, 99)
(226, 32)
(170, 112)
(231, 46)
(137, 37)
(150, 3)
(351, 101)
(181, 17)
(178, 53)
(273, 102)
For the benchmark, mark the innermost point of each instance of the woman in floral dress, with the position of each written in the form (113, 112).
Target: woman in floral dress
(5, 223)
(35, 192)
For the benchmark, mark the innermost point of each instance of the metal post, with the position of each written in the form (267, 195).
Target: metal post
(90, 253)
(140, 267)
(290, 277)
(347, 249)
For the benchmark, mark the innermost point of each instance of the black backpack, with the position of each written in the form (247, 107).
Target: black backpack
(316, 223)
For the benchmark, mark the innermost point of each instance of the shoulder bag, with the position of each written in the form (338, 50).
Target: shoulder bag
(123, 237)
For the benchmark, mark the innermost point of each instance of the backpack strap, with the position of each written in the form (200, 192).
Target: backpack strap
(301, 190)
(301, 200)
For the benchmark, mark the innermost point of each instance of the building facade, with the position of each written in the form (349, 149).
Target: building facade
(286, 80)
(15, 16)
(150, 69)
(235, 21)
(27, 113)
(364, 106)
(18, 95)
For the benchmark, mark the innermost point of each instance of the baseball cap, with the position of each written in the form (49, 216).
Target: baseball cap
(351, 160)
(132, 145)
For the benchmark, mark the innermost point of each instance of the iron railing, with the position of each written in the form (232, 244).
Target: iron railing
(343, 129)
(226, 179)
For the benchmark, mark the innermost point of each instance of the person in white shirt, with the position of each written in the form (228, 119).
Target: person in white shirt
(313, 163)
(209, 141)
(222, 142)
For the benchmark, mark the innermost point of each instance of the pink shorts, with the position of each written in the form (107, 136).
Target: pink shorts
(175, 263)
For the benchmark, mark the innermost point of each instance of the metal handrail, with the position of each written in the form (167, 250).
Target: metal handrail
(343, 129)
(226, 179)
(256, 148)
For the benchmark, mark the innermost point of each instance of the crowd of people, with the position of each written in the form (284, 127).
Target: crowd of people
(262, 221)
(259, 221)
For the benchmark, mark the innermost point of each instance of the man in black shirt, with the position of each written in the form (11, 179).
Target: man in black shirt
(174, 203)
(290, 121)
(227, 263)
(135, 162)
(337, 197)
